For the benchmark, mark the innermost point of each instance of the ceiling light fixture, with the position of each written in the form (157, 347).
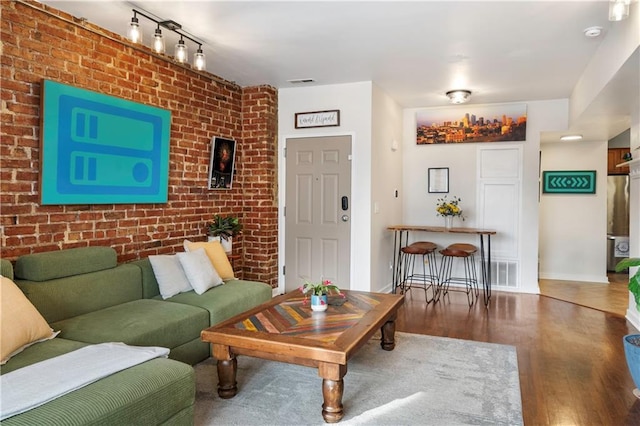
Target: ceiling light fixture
(571, 138)
(459, 96)
(158, 44)
(618, 10)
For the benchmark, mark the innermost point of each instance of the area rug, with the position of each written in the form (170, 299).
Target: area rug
(425, 380)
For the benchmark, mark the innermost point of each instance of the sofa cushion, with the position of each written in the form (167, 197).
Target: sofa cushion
(6, 269)
(65, 263)
(141, 322)
(68, 297)
(199, 270)
(216, 254)
(21, 325)
(149, 282)
(40, 352)
(225, 301)
(169, 274)
(150, 393)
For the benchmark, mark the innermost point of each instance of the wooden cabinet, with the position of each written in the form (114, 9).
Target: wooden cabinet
(614, 157)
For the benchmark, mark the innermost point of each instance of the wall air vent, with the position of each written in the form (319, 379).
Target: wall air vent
(301, 80)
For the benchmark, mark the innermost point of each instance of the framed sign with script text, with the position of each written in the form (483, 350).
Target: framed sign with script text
(317, 119)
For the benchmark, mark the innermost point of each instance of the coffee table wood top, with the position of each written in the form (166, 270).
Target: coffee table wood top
(286, 329)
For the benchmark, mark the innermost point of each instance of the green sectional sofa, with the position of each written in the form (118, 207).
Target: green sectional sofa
(91, 299)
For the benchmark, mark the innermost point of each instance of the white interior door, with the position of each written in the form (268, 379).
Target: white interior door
(318, 210)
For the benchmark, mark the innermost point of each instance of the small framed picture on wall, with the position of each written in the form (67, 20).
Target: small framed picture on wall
(438, 180)
(221, 165)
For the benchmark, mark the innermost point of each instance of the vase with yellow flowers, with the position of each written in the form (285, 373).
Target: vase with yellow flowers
(449, 209)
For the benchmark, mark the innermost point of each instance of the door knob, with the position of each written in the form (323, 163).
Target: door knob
(345, 218)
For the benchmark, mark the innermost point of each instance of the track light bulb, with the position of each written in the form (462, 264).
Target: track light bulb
(181, 51)
(135, 34)
(199, 61)
(158, 41)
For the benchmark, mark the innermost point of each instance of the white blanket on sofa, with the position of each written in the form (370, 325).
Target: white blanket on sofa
(37, 384)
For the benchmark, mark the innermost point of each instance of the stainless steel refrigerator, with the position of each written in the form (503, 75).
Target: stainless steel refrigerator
(617, 219)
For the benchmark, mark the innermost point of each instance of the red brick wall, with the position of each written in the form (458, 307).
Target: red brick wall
(260, 131)
(37, 45)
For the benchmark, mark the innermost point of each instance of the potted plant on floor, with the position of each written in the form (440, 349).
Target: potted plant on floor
(223, 229)
(631, 342)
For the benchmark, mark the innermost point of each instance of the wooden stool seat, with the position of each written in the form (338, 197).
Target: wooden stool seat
(465, 252)
(455, 252)
(469, 248)
(424, 253)
(421, 247)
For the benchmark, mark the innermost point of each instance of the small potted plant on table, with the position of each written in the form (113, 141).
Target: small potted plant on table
(631, 342)
(319, 293)
(223, 229)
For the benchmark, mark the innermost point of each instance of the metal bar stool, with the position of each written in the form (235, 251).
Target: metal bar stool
(425, 252)
(465, 252)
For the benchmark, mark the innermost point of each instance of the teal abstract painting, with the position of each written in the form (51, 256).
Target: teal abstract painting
(569, 182)
(100, 149)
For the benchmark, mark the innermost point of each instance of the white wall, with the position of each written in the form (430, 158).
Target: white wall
(621, 44)
(634, 227)
(373, 120)
(541, 116)
(573, 227)
(419, 205)
(354, 101)
(386, 178)
(634, 206)
(621, 41)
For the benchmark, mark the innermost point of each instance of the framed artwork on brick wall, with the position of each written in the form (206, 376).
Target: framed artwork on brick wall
(221, 164)
(99, 149)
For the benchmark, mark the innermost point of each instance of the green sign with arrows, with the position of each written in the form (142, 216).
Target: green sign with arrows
(569, 182)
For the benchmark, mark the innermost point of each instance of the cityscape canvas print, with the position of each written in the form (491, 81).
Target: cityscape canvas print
(493, 123)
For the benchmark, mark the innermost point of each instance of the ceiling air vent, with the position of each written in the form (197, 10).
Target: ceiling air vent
(301, 80)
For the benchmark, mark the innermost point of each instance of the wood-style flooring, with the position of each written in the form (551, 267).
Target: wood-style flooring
(570, 357)
(612, 297)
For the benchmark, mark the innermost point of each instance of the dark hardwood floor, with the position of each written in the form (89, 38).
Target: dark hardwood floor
(570, 358)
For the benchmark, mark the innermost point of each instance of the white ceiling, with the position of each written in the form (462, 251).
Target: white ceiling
(503, 51)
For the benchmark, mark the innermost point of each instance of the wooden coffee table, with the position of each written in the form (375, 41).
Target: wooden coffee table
(285, 329)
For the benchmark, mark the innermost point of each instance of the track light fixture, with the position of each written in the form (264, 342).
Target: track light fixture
(180, 53)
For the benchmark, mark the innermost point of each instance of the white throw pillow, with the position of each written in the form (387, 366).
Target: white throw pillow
(199, 270)
(169, 274)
